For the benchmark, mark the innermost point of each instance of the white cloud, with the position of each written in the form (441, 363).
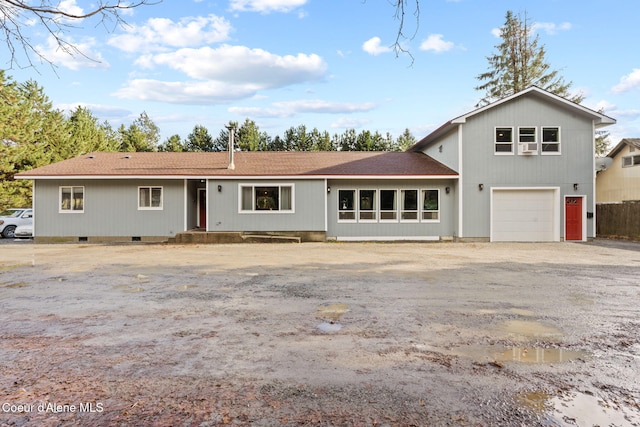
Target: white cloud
(83, 56)
(373, 46)
(70, 7)
(207, 92)
(551, 28)
(320, 106)
(260, 112)
(158, 34)
(242, 65)
(265, 6)
(98, 110)
(497, 32)
(349, 123)
(435, 43)
(629, 82)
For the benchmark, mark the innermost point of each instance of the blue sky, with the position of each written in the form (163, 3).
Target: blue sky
(329, 64)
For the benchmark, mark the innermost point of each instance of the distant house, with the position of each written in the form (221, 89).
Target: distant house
(620, 182)
(520, 169)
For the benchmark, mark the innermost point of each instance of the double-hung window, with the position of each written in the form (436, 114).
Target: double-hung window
(149, 198)
(409, 205)
(72, 199)
(503, 143)
(527, 140)
(368, 205)
(388, 205)
(431, 205)
(266, 198)
(550, 140)
(346, 206)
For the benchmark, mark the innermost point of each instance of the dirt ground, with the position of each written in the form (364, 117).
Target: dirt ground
(351, 334)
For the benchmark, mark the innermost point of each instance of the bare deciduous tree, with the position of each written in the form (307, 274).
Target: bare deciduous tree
(56, 20)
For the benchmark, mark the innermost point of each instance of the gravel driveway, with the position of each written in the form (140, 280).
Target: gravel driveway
(354, 334)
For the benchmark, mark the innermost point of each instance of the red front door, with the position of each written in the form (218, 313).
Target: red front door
(202, 208)
(573, 218)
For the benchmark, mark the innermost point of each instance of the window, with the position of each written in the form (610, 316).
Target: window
(504, 141)
(388, 205)
(550, 140)
(271, 198)
(409, 207)
(346, 208)
(431, 205)
(368, 206)
(527, 140)
(72, 199)
(149, 198)
(628, 161)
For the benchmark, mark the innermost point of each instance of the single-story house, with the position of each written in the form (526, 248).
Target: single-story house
(519, 169)
(620, 181)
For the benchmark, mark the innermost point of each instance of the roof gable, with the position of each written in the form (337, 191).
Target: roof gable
(633, 142)
(247, 164)
(598, 118)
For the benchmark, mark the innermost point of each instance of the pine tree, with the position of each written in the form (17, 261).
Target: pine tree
(520, 63)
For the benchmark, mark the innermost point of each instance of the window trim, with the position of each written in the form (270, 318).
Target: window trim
(399, 208)
(375, 208)
(253, 209)
(150, 207)
(495, 141)
(422, 210)
(632, 158)
(396, 210)
(559, 142)
(521, 151)
(70, 210)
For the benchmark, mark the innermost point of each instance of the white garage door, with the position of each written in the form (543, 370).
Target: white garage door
(524, 216)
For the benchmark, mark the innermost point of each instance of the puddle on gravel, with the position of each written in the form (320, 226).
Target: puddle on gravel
(499, 353)
(578, 409)
(331, 314)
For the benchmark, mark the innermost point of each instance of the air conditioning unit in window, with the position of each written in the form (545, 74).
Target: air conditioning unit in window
(529, 147)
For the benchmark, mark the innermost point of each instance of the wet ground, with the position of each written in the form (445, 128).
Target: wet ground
(320, 334)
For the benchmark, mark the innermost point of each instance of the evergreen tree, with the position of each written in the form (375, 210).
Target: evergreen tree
(405, 140)
(87, 135)
(199, 140)
(520, 63)
(172, 144)
(249, 137)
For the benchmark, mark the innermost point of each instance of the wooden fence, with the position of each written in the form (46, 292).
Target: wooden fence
(619, 220)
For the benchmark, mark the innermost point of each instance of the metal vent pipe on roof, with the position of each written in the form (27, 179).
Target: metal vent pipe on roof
(231, 144)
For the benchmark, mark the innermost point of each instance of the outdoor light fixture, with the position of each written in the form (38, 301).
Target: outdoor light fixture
(440, 148)
(447, 190)
(328, 189)
(219, 188)
(575, 186)
(480, 187)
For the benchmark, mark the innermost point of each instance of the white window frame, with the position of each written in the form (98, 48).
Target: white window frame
(630, 161)
(423, 210)
(403, 210)
(253, 209)
(559, 142)
(496, 143)
(374, 209)
(395, 211)
(70, 210)
(151, 188)
(521, 144)
(354, 208)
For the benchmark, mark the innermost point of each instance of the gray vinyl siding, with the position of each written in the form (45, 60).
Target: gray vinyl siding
(448, 155)
(110, 209)
(443, 228)
(308, 209)
(482, 166)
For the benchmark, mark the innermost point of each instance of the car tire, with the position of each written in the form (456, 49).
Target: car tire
(9, 232)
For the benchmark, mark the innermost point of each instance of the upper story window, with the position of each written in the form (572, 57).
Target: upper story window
(266, 198)
(72, 199)
(550, 140)
(528, 140)
(628, 161)
(503, 140)
(149, 198)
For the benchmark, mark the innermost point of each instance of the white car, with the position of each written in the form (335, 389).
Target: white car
(24, 231)
(12, 218)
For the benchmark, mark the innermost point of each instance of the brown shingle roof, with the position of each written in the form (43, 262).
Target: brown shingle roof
(352, 163)
(635, 142)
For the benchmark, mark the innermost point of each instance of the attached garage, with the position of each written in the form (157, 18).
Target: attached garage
(525, 215)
